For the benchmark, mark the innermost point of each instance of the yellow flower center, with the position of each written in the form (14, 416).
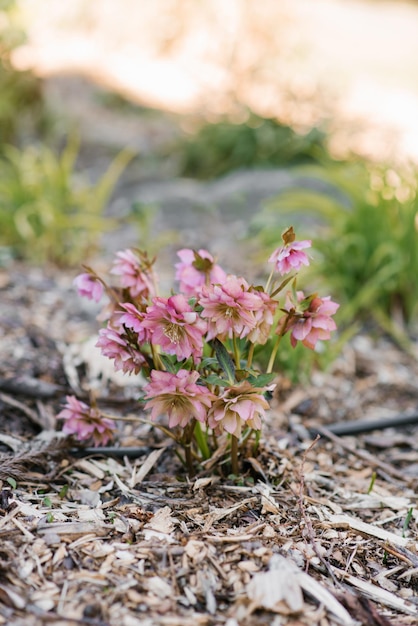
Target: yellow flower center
(172, 331)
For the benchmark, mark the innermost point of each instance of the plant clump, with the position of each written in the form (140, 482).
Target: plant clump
(196, 347)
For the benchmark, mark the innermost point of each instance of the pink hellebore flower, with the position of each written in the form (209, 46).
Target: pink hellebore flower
(89, 286)
(178, 396)
(310, 320)
(117, 346)
(239, 405)
(175, 327)
(264, 319)
(197, 269)
(290, 256)
(133, 318)
(230, 308)
(85, 422)
(135, 272)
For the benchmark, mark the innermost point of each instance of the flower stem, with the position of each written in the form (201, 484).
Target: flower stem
(156, 359)
(250, 355)
(187, 445)
(273, 355)
(201, 440)
(189, 458)
(276, 345)
(237, 356)
(234, 455)
(266, 288)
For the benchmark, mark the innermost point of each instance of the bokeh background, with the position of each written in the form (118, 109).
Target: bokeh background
(354, 61)
(172, 123)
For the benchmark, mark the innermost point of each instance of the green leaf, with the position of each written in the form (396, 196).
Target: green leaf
(12, 482)
(241, 375)
(224, 359)
(169, 363)
(63, 491)
(213, 379)
(262, 380)
(282, 285)
(208, 362)
(47, 502)
(201, 440)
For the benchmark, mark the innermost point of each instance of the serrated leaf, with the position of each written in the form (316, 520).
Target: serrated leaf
(224, 359)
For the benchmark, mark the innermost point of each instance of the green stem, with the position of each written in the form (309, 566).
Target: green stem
(237, 356)
(250, 355)
(276, 345)
(234, 455)
(158, 364)
(201, 440)
(257, 441)
(273, 355)
(266, 288)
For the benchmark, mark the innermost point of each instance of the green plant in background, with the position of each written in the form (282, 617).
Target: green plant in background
(20, 91)
(367, 237)
(46, 212)
(217, 148)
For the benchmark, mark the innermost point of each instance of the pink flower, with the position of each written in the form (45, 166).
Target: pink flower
(239, 405)
(197, 269)
(122, 349)
(230, 308)
(290, 256)
(178, 396)
(264, 319)
(136, 273)
(89, 286)
(85, 422)
(309, 320)
(175, 327)
(133, 319)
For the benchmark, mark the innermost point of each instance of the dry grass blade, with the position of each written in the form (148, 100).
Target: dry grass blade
(382, 596)
(345, 521)
(324, 597)
(146, 467)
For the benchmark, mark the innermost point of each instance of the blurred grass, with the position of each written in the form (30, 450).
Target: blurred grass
(48, 213)
(365, 230)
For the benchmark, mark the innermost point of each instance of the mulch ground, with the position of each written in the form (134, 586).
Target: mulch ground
(315, 531)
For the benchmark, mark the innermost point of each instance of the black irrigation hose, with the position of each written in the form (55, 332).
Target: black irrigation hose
(366, 426)
(130, 452)
(340, 429)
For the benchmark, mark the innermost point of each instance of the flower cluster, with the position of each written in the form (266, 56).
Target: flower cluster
(85, 422)
(196, 347)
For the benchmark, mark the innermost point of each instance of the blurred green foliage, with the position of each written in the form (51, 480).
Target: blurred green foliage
(218, 148)
(47, 213)
(364, 221)
(21, 102)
